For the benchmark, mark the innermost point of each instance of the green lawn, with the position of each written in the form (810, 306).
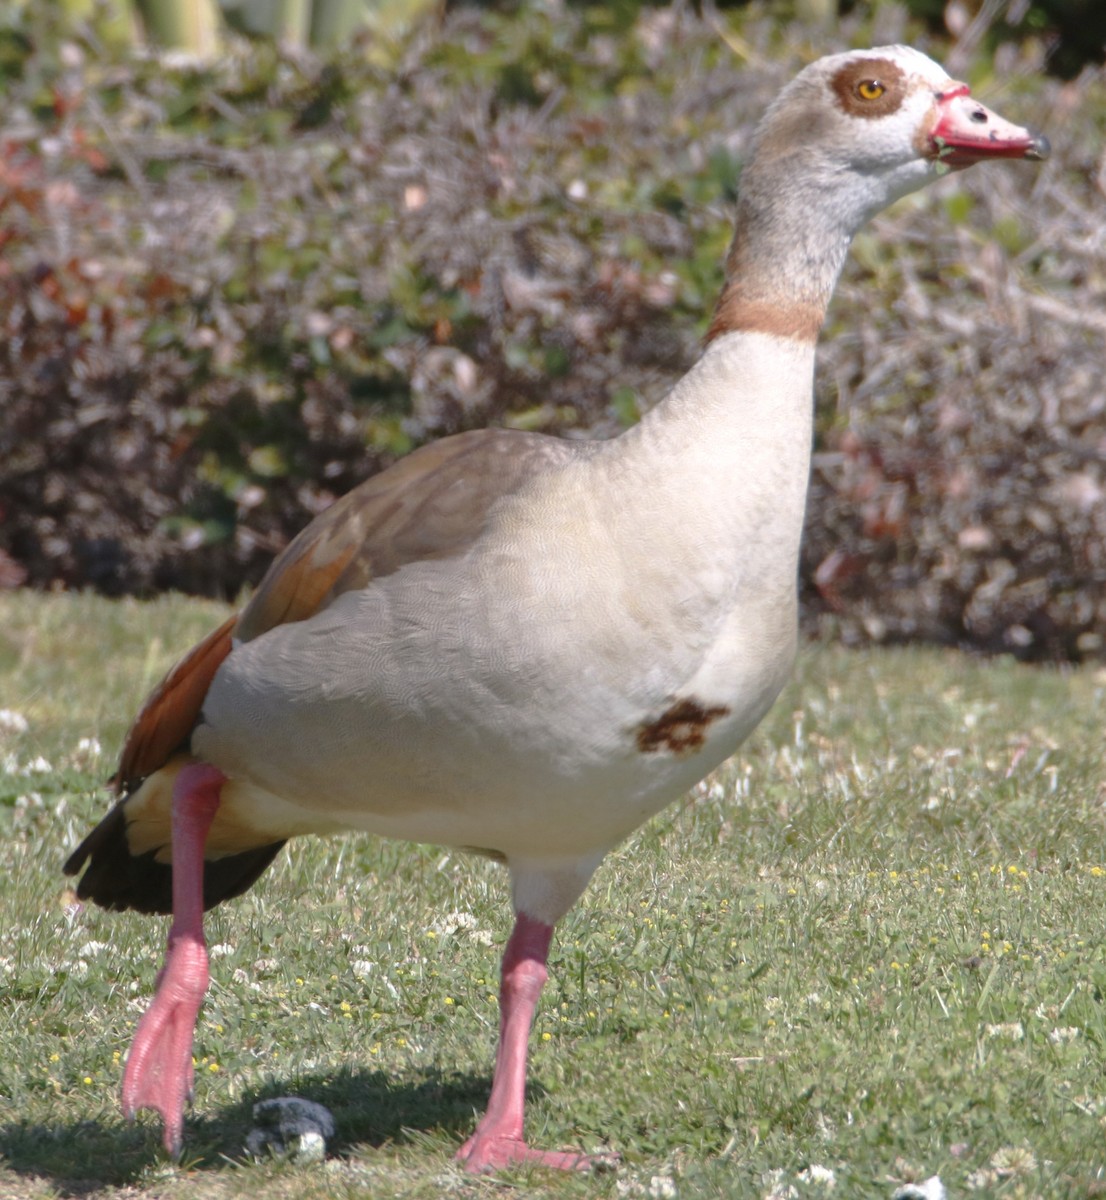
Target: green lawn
(870, 943)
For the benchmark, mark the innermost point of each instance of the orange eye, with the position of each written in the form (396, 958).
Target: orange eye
(870, 89)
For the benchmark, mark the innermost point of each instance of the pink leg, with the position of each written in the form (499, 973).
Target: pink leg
(159, 1066)
(497, 1142)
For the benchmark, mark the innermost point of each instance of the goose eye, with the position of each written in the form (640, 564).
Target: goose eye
(870, 89)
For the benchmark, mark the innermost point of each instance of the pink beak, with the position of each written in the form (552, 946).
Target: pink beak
(966, 132)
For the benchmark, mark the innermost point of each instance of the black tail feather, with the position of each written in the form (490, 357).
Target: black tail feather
(117, 879)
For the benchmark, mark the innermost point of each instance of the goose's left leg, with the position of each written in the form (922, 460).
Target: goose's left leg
(159, 1072)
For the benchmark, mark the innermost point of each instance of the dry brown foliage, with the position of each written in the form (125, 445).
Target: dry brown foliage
(214, 323)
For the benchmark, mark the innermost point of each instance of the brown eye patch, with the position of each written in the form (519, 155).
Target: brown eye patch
(869, 87)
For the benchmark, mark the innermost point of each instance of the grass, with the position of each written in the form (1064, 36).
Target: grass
(870, 943)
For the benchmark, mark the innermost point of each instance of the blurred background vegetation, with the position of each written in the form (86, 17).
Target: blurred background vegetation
(1073, 31)
(251, 252)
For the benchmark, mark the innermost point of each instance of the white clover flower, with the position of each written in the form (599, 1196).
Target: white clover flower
(778, 1187)
(929, 1189)
(1066, 1034)
(1014, 1160)
(12, 721)
(630, 1188)
(461, 922)
(981, 1180)
(88, 751)
(823, 1176)
(453, 922)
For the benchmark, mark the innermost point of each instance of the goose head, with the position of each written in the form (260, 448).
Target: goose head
(866, 127)
(849, 135)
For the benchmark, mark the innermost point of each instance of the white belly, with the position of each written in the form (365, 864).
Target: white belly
(553, 737)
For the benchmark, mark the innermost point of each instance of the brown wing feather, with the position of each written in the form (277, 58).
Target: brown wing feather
(165, 721)
(432, 504)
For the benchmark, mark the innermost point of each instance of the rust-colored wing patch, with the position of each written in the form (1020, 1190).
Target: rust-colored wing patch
(682, 727)
(165, 721)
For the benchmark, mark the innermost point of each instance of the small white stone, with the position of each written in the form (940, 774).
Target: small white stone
(311, 1148)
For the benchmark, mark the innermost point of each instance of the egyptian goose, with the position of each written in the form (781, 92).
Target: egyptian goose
(525, 646)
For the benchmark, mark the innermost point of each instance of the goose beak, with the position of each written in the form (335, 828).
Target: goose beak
(967, 132)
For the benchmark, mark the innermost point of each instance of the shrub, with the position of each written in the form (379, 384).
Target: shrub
(230, 292)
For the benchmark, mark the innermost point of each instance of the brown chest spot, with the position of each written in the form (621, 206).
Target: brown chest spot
(680, 728)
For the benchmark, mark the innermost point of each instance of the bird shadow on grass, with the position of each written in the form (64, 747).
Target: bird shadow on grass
(370, 1109)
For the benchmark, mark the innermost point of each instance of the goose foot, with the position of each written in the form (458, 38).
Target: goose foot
(484, 1153)
(159, 1072)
